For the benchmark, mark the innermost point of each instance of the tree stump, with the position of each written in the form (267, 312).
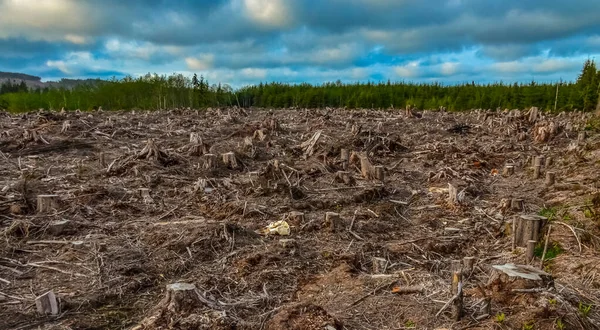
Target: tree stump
(102, 159)
(468, 264)
(196, 146)
(210, 161)
(296, 218)
(516, 204)
(456, 290)
(145, 194)
(548, 162)
(527, 228)
(47, 203)
(229, 160)
(581, 137)
(530, 249)
(47, 304)
(537, 166)
(452, 194)
(379, 173)
(550, 178)
(379, 265)
(259, 135)
(65, 126)
(344, 157)
(333, 222)
(366, 168)
(345, 177)
(58, 227)
(509, 170)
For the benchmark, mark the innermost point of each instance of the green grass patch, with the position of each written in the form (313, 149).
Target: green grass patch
(549, 213)
(554, 249)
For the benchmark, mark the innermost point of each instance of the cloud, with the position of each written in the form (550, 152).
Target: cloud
(201, 62)
(270, 13)
(244, 41)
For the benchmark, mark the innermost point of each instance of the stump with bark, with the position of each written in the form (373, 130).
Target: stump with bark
(229, 160)
(333, 222)
(210, 162)
(47, 203)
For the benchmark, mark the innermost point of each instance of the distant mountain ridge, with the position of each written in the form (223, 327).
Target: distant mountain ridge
(36, 82)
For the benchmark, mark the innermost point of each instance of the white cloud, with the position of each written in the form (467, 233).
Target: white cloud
(410, 70)
(254, 73)
(201, 62)
(271, 13)
(76, 39)
(449, 68)
(41, 19)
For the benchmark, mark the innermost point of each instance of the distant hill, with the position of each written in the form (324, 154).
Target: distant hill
(36, 82)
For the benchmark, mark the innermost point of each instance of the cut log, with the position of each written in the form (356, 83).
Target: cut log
(229, 160)
(333, 222)
(550, 178)
(210, 161)
(47, 304)
(379, 173)
(379, 265)
(47, 203)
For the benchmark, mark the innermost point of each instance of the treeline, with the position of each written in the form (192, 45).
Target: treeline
(177, 91)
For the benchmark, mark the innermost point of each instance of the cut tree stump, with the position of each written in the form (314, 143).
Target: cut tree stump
(509, 170)
(229, 160)
(456, 290)
(537, 166)
(65, 126)
(468, 264)
(210, 161)
(47, 203)
(527, 227)
(548, 162)
(47, 304)
(379, 173)
(259, 135)
(345, 177)
(296, 218)
(516, 204)
(145, 194)
(366, 169)
(379, 265)
(344, 157)
(58, 227)
(550, 178)
(333, 222)
(581, 137)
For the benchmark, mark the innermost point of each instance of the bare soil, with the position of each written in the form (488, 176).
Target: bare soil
(138, 207)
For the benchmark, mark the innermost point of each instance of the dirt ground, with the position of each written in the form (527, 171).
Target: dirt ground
(137, 205)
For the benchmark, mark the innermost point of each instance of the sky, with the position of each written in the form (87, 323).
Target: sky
(243, 42)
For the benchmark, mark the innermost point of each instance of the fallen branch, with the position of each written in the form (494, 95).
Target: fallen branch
(574, 233)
